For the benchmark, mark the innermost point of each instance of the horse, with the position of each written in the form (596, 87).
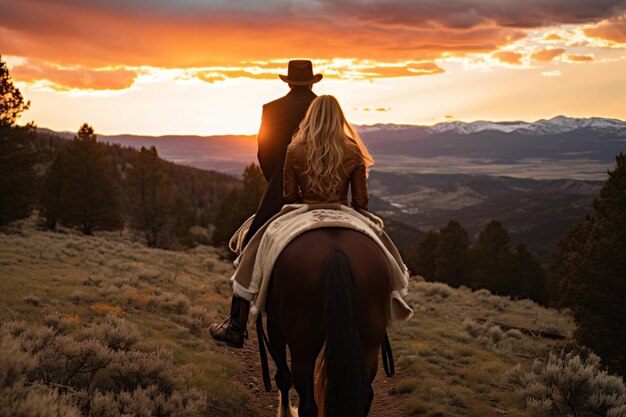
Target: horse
(328, 297)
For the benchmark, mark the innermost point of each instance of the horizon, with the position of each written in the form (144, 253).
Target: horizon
(140, 134)
(157, 68)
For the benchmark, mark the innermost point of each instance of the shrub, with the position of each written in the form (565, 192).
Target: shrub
(565, 385)
(436, 289)
(131, 370)
(199, 320)
(57, 321)
(169, 302)
(487, 333)
(45, 371)
(32, 300)
(115, 333)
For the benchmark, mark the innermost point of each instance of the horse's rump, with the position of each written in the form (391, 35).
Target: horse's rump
(332, 286)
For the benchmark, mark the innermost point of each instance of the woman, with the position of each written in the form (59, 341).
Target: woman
(326, 158)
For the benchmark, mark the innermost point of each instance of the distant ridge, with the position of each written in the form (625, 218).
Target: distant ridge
(558, 124)
(560, 147)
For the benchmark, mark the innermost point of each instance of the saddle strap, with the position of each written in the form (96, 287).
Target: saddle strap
(388, 363)
(265, 370)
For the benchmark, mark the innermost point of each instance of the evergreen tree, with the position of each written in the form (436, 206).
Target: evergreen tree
(566, 267)
(53, 194)
(239, 204)
(152, 198)
(86, 193)
(492, 259)
(452, 256)
(422, 256)
(528, 279)
(18, 181)
(12, 103)
(591, 266)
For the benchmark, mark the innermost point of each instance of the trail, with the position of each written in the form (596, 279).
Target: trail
(385, 404)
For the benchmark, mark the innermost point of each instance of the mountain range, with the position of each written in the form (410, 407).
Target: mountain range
(537, 178)
(561, 147)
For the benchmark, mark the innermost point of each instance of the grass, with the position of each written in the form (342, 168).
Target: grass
(172, 296)
(168, 295)
(452, 373)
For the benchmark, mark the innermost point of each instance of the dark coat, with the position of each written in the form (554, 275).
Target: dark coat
(279, 121)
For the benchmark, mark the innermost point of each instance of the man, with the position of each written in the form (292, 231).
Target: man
(279, 121)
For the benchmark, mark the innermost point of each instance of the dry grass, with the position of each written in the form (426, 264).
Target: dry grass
(75, 282)
(458, 367)
(450, 366)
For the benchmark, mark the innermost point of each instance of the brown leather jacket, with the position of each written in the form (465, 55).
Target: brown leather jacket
(295, 182)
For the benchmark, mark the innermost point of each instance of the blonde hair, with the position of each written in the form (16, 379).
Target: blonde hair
(326, 133)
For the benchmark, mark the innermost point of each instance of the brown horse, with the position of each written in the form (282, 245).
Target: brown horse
(329, 293)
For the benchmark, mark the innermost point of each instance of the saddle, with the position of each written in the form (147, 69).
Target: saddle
(252, 276)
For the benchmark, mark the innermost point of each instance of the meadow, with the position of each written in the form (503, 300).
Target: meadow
(147, 311)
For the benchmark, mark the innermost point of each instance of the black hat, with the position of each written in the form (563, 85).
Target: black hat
(300, 72)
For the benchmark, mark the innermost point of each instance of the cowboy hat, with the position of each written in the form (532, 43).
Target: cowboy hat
(300, 72)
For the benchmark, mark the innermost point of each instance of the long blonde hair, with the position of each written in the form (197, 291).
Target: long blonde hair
(326, 134)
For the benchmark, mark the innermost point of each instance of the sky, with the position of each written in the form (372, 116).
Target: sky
(207, 66)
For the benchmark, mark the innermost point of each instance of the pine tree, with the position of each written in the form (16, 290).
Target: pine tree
(152, 198)
(422, 256)
(88, 195)
(567, 265)
(12, 103)
(239, 204)
(492, 259)
(53, 194)
(591, 266)
(452, 256)
(18, 181)
(528, 279)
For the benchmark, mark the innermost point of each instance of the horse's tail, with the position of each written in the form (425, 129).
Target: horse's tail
(343, 374)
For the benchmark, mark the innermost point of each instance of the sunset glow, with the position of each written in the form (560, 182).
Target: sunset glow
(191, 67)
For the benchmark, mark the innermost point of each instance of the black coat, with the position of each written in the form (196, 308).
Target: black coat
(279, 121)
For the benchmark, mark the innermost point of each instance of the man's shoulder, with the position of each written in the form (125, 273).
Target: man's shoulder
(288, 100)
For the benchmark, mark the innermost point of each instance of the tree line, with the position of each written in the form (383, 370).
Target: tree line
(446, 255)
(94, 186)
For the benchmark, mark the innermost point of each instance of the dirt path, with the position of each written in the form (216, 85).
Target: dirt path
(250, 378)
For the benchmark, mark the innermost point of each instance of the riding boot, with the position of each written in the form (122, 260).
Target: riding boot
(232, 330)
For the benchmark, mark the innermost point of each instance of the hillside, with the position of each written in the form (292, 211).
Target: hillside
(169, 298)
(536, 212)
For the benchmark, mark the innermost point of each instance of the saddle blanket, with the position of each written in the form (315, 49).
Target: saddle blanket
(252, 275)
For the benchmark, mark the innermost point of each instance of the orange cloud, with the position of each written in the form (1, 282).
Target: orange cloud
(612, 30)
(509, 57)
(85, 33)
(579, 57)
(546, 55)
(398, 38)
(74, 78)
(552, 37)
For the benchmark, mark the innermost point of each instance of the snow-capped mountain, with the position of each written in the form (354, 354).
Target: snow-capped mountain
(556, 125)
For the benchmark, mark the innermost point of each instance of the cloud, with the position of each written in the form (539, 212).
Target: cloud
(462, 14)
(63, 79)
(336, 69)
(552, 37)
(579, 58)
(375, 109)
(546, 55)
(612, 30)
(397, 37)
(509, 57)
